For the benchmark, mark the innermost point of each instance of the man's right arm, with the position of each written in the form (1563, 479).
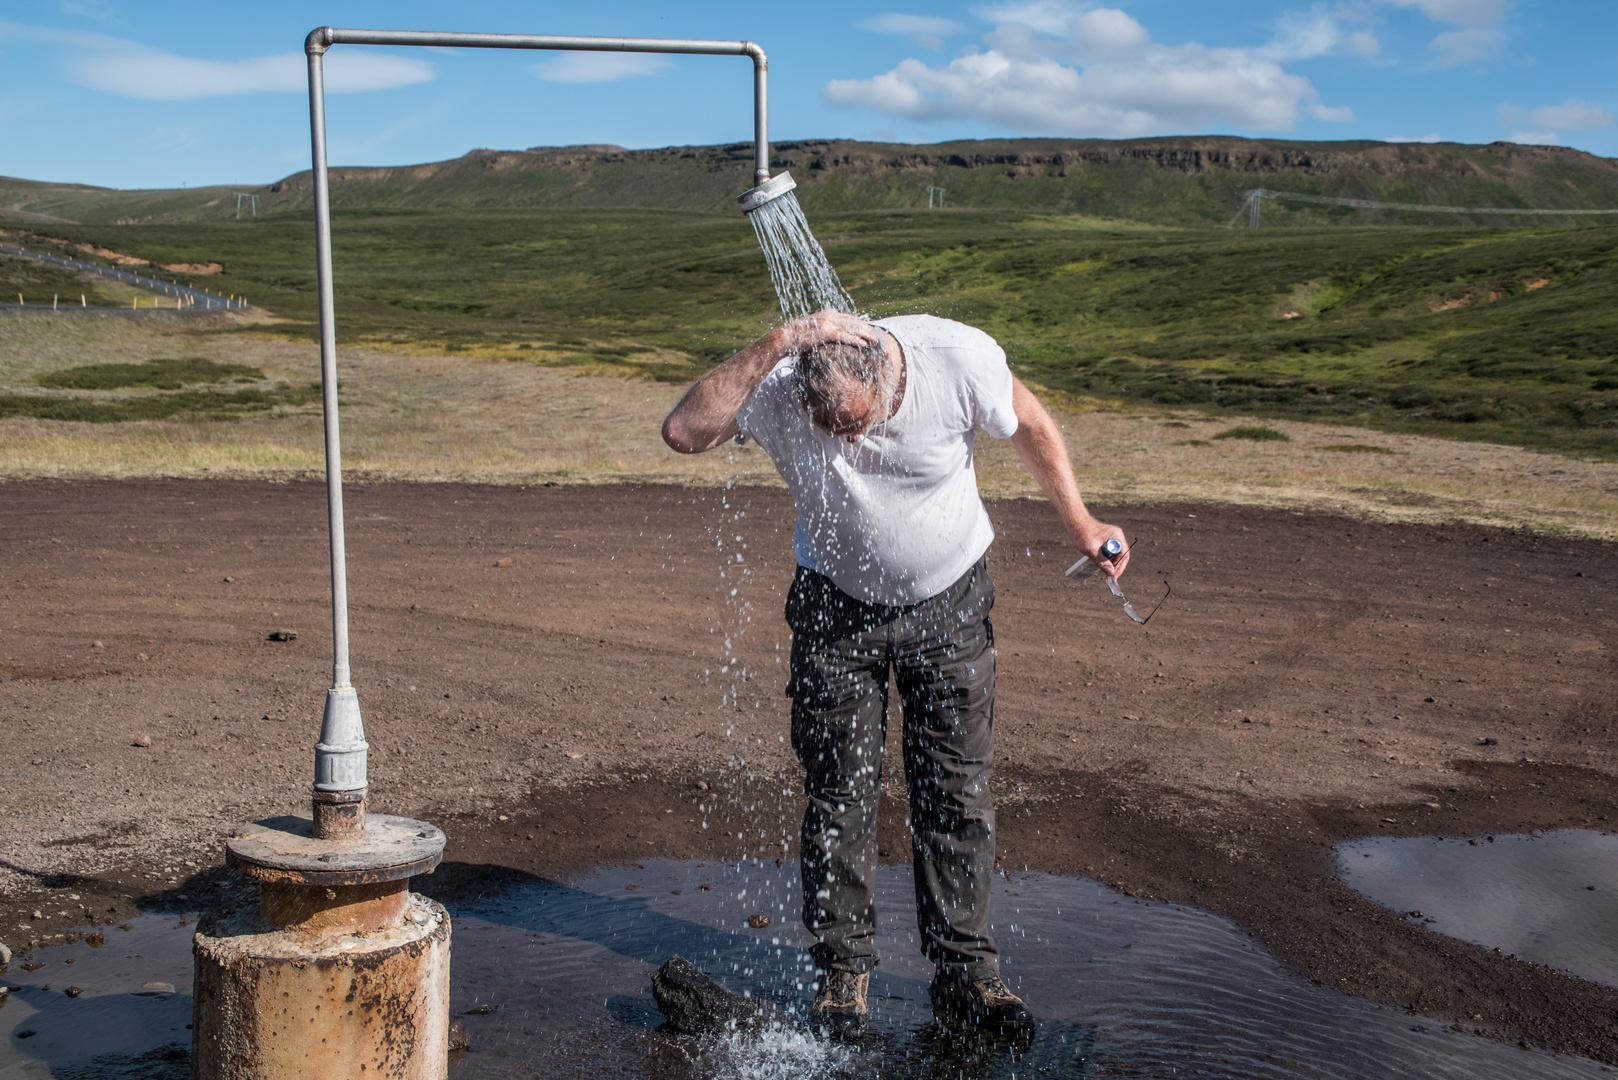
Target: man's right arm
(706, 415)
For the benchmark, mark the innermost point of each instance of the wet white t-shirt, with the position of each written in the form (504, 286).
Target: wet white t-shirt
(893, 518)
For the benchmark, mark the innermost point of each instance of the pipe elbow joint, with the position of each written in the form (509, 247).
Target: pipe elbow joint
(318, 41)
(756, 51)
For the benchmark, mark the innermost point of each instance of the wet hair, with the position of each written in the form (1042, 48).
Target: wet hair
(828, 375)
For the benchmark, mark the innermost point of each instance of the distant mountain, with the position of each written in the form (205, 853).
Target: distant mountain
(1185, 181)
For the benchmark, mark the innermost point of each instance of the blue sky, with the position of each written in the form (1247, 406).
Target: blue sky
(141, 94)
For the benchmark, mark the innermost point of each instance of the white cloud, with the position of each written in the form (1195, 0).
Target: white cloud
(1541, 126)
(1109, 32)
(928, 31)
(1123, 85)
(1481, 13)
(1340, 115)
(1431, 137)
(1051, 17)
(1323, 31)
(1363, 44)
(141, 71)
(597, 67)
(155, 75)
(1456, 47)
(1478, 34)
(1570, 116)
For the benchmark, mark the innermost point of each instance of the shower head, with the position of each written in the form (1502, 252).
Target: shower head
(771, 189)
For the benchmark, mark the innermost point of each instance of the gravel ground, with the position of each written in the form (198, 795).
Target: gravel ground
(563, 676)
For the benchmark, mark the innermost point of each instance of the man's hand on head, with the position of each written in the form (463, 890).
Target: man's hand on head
(706, 415)
(827, 326)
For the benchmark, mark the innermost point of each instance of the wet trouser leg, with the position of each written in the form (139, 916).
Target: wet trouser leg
(941, 651)
(839, 688)
(944, 667)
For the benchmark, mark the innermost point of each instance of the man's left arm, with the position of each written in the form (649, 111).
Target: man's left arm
(1040, 445)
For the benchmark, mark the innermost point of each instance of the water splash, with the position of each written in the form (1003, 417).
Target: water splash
(804, 279)
(778, 1052)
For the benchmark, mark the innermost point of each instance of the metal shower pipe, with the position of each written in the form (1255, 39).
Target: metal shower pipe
(340, 755)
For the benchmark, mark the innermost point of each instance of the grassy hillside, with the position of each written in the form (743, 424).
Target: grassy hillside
(1503, 335)
(1175, 181)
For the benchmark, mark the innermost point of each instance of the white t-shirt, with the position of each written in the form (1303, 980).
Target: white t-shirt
(893, 518)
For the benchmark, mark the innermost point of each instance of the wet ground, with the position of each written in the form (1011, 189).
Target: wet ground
(570, 677)
(132, 1009)
(1547, 898)
(552, 979)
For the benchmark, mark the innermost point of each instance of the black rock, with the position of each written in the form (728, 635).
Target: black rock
(459, 1038)
(693, 1003)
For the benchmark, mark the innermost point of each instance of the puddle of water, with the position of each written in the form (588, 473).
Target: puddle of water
(1528, 896)
(131, 1019)
(553, 980)
(1121, 989)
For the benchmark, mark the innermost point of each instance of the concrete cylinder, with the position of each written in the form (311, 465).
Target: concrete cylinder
(280, 1004)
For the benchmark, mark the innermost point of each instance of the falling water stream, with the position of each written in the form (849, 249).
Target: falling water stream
(804, 279)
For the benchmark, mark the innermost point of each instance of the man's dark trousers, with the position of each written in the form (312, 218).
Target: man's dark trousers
(941, 652)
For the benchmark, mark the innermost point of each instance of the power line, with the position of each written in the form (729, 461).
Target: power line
(1250, 206)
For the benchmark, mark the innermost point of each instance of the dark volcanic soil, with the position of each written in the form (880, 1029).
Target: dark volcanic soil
(563, 676)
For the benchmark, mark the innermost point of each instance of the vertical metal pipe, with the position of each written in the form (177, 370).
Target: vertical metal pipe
(328, 373)
(340, 755)
(761, 114)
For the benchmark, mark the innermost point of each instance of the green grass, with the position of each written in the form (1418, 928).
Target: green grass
(1507, 336)
(192, 404)
(41, 283)
(157, 374)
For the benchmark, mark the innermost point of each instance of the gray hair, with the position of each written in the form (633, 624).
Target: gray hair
(829, 374)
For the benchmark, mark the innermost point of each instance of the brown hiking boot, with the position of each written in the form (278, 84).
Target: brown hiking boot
(979, 1001)
(840, 1007)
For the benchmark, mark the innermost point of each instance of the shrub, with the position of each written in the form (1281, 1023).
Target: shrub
(1255, 434)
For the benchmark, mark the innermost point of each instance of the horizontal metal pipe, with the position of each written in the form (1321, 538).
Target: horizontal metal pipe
(324, 37)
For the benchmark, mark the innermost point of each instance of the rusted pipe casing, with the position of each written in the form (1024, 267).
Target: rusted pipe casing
(277, 1004)
(338, 970)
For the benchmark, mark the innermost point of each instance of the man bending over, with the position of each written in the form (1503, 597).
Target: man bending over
(872, 426)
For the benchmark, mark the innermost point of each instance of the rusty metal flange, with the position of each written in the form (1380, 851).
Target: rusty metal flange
(285, 849)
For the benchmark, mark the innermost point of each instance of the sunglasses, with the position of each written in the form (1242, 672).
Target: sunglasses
(1084, 569)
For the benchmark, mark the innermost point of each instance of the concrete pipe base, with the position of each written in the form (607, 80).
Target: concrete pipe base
(275, 1004)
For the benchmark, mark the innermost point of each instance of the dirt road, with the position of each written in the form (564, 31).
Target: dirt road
(566, 675)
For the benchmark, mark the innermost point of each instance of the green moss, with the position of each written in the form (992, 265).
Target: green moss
(1357, 448)
(157, 374)
(194, 404)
